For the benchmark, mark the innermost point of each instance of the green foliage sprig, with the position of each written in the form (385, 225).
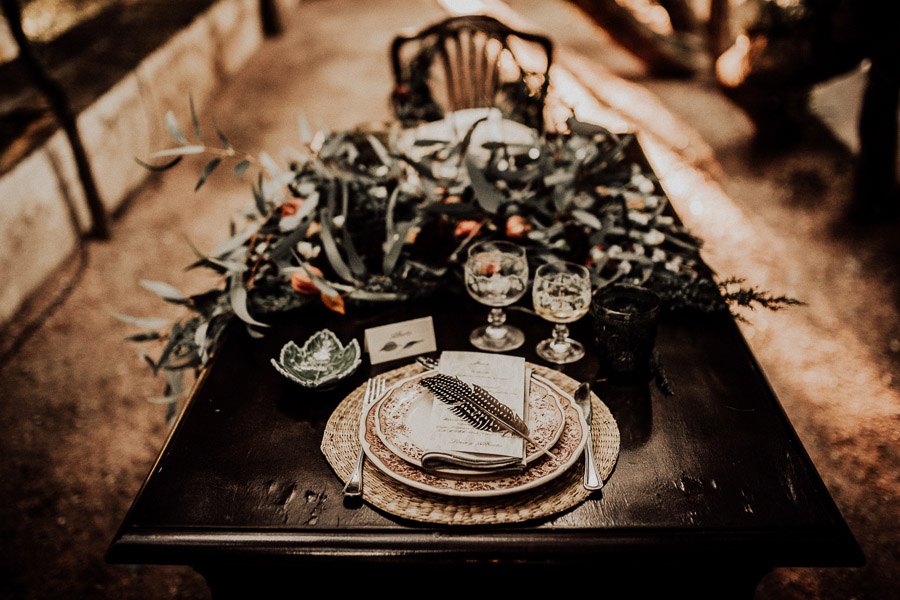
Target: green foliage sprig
(384, 215)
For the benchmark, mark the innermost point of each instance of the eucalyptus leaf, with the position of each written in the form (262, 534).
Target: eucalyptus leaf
(331, 250)
(587, 218)
(161, 167)
(174, 340)
(143, 322)
(322, 285)
(143, 337)
(291, 223)
(181, 151)
(282, 247)
(241, 168)
(463, 147)
(505, 145)
(357, 266)
(331, 145)
(162, 289)
(258, 198)
(309, 205)
(196, 122)
(380, 151)
(237, 296)
(389, 213)
(270, 165)
(163, 400)
(146, 358)
(223, 266)
(417, 166)
(485, 193)
(429, 142)
(586, 129)
(235, 242)
(171, 411)
(174, 129)
(686, 245)
(562, 197)
(175, 379)
(224, 139)
(200, 339)
(207, 170)
(395, 245)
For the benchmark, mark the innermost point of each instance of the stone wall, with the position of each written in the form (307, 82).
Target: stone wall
(41, 202)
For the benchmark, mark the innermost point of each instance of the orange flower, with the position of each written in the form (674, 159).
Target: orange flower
(335, 303)
(314, 228)
(452, 199)
(468, 227)
(302, 283)
(517, 226)
(290, 207)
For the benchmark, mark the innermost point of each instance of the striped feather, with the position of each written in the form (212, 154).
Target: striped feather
(478, 407)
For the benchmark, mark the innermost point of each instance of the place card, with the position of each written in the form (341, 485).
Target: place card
(399, 340)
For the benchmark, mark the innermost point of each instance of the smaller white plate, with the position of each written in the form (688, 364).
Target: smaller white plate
(402, 421)
(453, 129)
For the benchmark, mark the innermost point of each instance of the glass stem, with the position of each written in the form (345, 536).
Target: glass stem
(496, 328)
(560, 333)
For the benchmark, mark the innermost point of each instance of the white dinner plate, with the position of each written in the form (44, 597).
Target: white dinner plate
(403, 416)
(567, 451)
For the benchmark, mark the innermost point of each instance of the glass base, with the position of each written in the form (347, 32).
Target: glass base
(497, 339)
(560, 353)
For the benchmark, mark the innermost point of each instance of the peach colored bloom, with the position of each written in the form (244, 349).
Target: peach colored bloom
(314, 228)
(290, 207)
(464, 228)
(302, 283)
(517, 226)
(335, 303)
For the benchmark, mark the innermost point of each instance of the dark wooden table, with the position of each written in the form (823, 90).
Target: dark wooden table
(711, 490)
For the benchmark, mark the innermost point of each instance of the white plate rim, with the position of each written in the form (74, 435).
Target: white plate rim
(576, 455)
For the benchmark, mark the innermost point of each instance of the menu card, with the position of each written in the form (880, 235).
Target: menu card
(455, 441)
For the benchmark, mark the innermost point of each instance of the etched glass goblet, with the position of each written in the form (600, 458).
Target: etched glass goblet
(561, 294)
(496, 274)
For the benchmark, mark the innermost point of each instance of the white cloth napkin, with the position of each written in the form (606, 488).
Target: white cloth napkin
(454, 443)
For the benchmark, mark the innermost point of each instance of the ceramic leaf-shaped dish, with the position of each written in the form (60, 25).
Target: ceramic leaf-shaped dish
(321, 361)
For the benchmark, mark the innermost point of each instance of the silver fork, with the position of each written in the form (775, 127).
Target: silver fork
(354, 486)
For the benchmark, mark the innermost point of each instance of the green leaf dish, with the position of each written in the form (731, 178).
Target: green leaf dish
(322, 361)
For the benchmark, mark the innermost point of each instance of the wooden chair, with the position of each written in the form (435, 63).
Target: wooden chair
(471, 61)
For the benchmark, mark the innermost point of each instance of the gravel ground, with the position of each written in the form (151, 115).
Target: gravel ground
(79, 435)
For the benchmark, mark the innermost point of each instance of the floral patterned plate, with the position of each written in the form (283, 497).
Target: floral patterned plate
(403, 413)
(567, 451)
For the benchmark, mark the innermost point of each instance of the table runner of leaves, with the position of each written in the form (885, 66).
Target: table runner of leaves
(353, 219)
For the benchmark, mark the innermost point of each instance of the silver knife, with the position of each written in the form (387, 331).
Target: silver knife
(592, 479)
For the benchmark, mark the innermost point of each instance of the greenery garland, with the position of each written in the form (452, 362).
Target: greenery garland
(309, 234)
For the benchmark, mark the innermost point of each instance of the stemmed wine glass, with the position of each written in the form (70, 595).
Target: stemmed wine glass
(562, 294)
(497, 275)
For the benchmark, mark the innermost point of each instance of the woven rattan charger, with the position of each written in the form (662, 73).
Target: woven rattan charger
(341, 445)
